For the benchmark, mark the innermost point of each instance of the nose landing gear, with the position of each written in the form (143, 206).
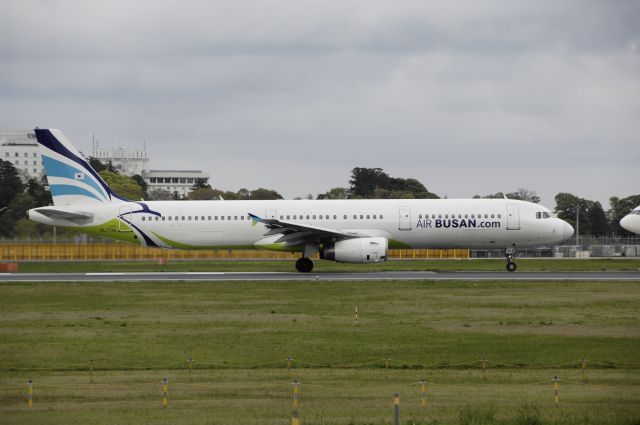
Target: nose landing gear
(510, 253)
(304, 265)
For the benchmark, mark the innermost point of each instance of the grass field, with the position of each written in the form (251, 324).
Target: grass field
(240, 334)
(540, 264)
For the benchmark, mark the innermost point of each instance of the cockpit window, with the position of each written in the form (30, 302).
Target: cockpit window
(542, 214)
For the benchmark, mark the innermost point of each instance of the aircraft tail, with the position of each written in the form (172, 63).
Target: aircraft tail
(71, 178)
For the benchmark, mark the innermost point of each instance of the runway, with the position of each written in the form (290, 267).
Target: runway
(280, 276)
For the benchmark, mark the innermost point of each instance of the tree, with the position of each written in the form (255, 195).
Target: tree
(524, 194)
(265, 194)
(36, 188)
(497, 195)
(143, 184)
(200, 184)
(10, 183)
(97, 165)
(620, 208)
(335, 193)
(597, 219)
(14, 213)
(593, 220)
(160, 195)
(374, 183)
(202, 194)
(123, 185)
(364, 181)
(244, 193)
(521, 194)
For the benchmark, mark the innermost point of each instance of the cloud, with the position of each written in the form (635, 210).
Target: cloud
(469, 98)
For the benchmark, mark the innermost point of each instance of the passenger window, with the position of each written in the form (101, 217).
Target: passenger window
(419, 215)
(307, 216)
(209, 218)
(281, 217)
(538, 215)
(221, 217)
(345, 216)
(355, 217)
(235, 217)
(195, 218)
(229, 217)
(288, 217)
(157, 218)
(169, 218)
(368, 217)
(335, 217)
(142, 218)
(361, 216)
(162, 218)
(492, 216)
(374, 216)
(380, 216)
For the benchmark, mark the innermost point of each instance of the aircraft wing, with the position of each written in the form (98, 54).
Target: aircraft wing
(294, 233)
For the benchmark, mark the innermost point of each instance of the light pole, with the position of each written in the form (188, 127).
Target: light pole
(577, 225)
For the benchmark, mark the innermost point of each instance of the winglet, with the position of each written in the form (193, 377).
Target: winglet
(255, 219)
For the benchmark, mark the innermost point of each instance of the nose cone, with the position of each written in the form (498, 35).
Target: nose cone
(567, 230)
(625, 223)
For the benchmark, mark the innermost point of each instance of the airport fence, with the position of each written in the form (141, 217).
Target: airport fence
(422, 386)
(122, 251)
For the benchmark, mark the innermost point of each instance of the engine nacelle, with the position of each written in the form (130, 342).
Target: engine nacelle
(356, 250)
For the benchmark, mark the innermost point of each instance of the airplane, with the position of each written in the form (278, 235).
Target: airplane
(631, 221)
(346, 231)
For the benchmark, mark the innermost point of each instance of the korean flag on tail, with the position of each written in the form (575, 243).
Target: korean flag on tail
(79, 176)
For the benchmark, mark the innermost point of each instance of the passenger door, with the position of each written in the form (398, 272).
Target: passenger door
(513, 217)
(405, 219)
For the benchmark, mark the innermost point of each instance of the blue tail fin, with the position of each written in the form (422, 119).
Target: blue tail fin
(71, 178)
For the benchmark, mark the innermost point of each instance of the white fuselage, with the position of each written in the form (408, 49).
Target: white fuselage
(631, 221)
(410, 223)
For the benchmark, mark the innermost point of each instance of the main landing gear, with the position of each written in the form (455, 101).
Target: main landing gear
(510, 253)
(304, 265)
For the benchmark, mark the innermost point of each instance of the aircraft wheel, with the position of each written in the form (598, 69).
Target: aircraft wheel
(511, 266)
(304, 265)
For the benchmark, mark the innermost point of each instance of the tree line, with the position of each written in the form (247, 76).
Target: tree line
(18, 194)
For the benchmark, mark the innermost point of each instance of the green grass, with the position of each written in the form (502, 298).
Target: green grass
(605, 264)
(240, 334)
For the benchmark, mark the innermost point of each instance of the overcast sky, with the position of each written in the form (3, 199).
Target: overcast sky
(469, 97)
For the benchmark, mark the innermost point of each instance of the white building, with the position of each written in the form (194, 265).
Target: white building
(21, 149)
(172, 181)
(125, 161)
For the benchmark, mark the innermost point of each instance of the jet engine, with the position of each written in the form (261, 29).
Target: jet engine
(356, 250)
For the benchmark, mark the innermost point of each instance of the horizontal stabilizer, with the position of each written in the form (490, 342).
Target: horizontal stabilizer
(74, 217)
